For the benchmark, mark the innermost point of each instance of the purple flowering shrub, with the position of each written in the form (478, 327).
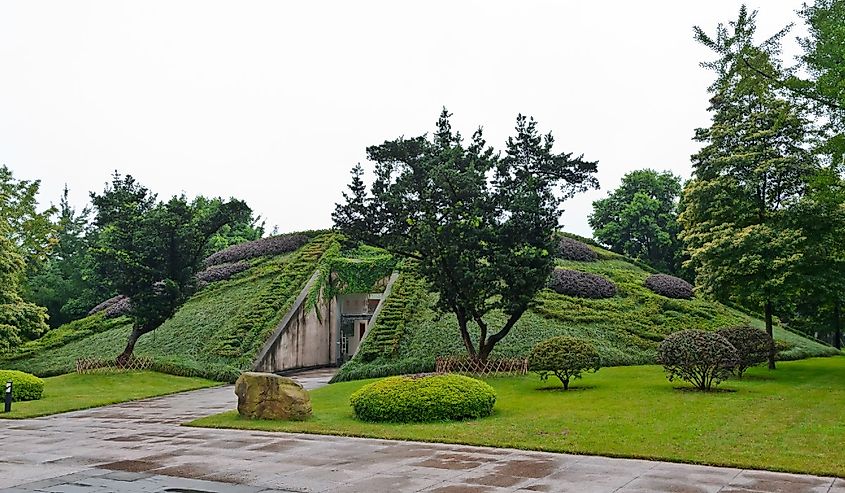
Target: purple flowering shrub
(107, 304)
(669, 286)
(272, 245)
(220, 272)
(571, 249)
(581, 284)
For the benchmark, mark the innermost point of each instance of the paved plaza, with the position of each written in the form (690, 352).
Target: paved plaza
(141, 447)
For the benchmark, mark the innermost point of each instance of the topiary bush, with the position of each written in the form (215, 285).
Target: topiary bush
(571, 249)
(699, 357)
(221, 272)
(669, 286)
(564, 357)
(424, 397)
(752, 346)
(272, 245)
(107, 304)
(25, 387)
(581, 284)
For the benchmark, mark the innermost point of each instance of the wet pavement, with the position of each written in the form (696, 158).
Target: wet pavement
(140, 447)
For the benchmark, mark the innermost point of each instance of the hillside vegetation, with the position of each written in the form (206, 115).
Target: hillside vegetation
(216, 334)
(626, 328)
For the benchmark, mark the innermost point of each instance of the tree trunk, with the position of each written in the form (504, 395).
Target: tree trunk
(126, 355)
(770, 331)
(837, 325)
(462, 325)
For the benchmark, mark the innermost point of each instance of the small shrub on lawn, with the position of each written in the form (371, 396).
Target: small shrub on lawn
(699, 357)
(221, 272)
(272, 245)
(571, 249)
(669, 286)
(581, 284)
(564, 357)
(752, 346)
(420, 398)
(25, 387)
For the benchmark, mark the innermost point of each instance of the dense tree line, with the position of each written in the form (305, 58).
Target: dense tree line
(58, 263)
(761, 222)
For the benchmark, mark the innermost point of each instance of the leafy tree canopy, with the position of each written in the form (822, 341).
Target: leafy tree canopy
(32, 232)
(150, 250)
(480, 224)
(640, 218)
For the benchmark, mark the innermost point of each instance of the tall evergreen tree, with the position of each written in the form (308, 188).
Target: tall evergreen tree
(753, 168)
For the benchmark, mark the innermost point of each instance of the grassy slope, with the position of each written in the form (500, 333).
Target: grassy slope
(74, 391)
(626, 329)
(214, 334)
(788, 419)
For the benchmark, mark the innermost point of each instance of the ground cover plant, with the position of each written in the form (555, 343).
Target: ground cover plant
(564, 357)
(632, 412)
(25, 387)
(625, 329)
(272, 245)
(699, 357)
(215, 334)
(81, 391)
(423, 397)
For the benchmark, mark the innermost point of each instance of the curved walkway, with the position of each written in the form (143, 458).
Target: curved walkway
(140, 447)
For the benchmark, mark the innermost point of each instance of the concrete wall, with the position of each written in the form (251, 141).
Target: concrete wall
(305, 342)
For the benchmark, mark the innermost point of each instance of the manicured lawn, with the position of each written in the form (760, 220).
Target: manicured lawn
(74, 391)
(792, 419)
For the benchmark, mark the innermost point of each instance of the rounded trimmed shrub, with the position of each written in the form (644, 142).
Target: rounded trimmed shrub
(699, 357)
(564, 357)
(581, 284)
(425, 397)
(221, 272)
(752, 345)
(25, 387)
(572, 249)
(272, 245)
(669, 286)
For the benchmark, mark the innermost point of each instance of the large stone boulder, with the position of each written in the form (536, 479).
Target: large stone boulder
(269, 396)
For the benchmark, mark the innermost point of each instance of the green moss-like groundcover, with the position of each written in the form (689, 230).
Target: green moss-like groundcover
(626, 329)
(789, 419)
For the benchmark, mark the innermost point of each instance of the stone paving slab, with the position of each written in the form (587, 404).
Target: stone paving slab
(139, 447)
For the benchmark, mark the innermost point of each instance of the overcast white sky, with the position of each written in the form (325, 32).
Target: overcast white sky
(274, 102)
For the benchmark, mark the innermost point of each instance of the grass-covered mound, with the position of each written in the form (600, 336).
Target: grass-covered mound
(215, 334)
(626, 328)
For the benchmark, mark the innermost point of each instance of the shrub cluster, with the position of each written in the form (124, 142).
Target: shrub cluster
(221, 272)
(571, 249)
(119, 309)
(272, 245)
(752, 346)
(699, 357)
(669, 286)
(106, 304)
(565, 357)
(425, 397)
(25, 387)
(581, 284)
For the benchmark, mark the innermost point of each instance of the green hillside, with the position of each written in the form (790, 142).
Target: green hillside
(626, 328)
(215, 334)
(218, 332)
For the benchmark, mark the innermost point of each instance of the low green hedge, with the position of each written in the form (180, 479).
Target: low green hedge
(420, 398)
(25, 387)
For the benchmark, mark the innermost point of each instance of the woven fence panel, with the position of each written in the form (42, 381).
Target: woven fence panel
(473, 366)
(92, 365)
